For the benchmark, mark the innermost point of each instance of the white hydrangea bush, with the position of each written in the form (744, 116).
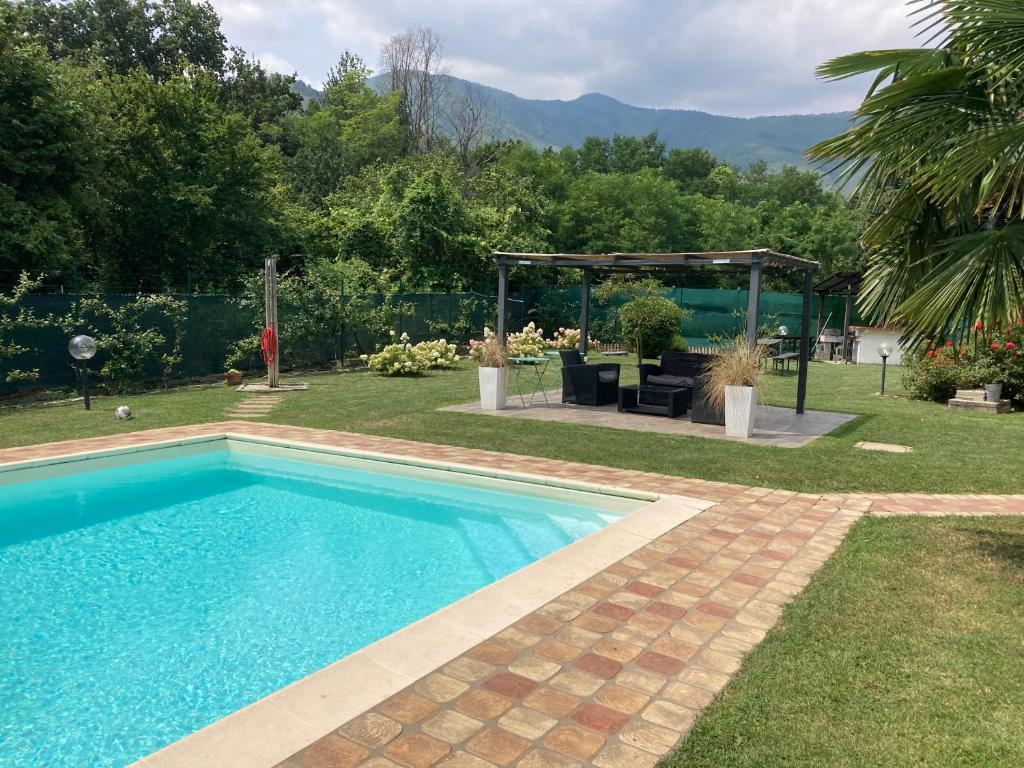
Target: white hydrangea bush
(402, 358)
(437, 354)
(569, 338)
(529, 342)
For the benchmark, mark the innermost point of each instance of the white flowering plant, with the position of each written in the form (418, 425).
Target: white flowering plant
(437, 354)
(529, 342)
(569, 338)
(400, 358)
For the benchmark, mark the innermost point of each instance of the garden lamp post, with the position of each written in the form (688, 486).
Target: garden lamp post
(884, 350)
(83, 348)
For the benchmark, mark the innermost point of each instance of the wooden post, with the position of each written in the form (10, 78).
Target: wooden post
(502, 330)
(754, 300)
(585, 311)
(805, 342)
(270, 299)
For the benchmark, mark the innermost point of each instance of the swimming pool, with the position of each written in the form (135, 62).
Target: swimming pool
(147, 596)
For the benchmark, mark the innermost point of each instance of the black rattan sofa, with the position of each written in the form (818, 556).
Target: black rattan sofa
(583, 384)
(684, 369)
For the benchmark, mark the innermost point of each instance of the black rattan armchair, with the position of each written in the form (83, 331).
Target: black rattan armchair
(583, 384)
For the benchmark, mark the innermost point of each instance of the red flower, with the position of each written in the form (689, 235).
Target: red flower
(1010, 345)
(949, 343)
(931, 353)
(995, 345)
(978, 325)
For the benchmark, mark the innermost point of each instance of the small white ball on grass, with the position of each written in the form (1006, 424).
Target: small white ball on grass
(123, 412)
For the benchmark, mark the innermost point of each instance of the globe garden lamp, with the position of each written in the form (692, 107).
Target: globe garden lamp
(884, 350)
(83, 349)
(783, 330)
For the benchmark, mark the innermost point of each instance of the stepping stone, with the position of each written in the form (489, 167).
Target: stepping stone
(865, 445)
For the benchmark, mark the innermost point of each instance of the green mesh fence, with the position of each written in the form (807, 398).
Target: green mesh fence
(715, 314)
(215, 324)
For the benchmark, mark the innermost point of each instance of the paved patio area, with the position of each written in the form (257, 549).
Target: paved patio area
(779, 427)
(613, 672)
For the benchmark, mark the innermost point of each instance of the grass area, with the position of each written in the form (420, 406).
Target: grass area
(953, 451)
(904, 650)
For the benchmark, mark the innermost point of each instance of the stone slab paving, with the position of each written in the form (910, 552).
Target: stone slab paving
(614, 672)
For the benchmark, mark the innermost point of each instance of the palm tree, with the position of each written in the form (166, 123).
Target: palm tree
(938, 148)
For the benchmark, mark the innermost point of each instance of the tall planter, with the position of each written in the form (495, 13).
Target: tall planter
(740, 409)
(493, 388)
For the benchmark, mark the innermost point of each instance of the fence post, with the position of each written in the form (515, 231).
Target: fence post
(190, 354)
(341, 298)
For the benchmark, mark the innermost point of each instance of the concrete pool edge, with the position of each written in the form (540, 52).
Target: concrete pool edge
(270, 729)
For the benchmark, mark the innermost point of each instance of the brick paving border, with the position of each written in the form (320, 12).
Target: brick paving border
(614, 672)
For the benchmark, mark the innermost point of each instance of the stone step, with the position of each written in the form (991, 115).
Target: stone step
(960, 404)
(971, 394)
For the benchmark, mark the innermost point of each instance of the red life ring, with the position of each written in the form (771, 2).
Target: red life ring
(268, 343)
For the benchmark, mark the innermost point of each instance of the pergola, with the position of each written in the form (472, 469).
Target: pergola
(846, 284)
(756, 261)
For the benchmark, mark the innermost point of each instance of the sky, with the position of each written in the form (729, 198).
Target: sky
(730, 57)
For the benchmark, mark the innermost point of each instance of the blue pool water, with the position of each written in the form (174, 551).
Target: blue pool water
(140, 603)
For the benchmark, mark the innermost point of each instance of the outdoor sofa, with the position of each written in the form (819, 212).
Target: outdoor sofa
(685, 369)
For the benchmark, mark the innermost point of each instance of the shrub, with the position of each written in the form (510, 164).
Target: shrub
(569, 338)
(131, 339)
(932, 374)
(397, 359)
(652, 324)
(437, 354)
(529, 342)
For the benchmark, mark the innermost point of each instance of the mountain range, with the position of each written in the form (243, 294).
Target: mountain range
(778, 140)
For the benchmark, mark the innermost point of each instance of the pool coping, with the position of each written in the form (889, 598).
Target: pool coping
(275, 726)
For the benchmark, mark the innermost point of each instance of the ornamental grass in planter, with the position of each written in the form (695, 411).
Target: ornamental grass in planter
(492, 358)
(733, 383)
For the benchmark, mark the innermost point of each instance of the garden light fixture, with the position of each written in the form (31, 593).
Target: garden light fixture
(83, 349)
(884, 350)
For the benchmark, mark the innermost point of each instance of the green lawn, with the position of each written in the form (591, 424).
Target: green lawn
(953, 452)
(906, 649)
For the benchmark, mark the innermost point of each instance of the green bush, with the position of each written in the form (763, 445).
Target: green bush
(933, 374)
(652, 324)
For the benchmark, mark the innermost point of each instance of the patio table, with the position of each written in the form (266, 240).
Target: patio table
(537, 366)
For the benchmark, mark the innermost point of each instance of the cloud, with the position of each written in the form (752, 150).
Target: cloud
(738, 57)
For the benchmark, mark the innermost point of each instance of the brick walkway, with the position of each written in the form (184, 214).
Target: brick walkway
(614, 672)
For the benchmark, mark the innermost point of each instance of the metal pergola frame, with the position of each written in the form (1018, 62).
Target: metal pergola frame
(754, 260)
(846, 284)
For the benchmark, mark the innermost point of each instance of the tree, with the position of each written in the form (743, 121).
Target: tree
(939, 145)
(641, 211)
(263, 97)
(177, 187)
(412, 63)
(39, 165)
(165, 37)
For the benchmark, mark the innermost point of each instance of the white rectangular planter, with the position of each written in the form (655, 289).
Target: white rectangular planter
(493, 388)
(740, 408)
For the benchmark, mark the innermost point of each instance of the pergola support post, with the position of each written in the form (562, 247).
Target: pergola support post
(805, 342)
(846, 327)
(585, 311)
(754, 300)
(502, 328)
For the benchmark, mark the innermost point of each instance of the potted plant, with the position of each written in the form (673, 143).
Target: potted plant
(233, 377)
(734, 379)
(490, 355)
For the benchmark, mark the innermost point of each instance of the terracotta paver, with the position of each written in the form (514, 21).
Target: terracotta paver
(613, 672)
